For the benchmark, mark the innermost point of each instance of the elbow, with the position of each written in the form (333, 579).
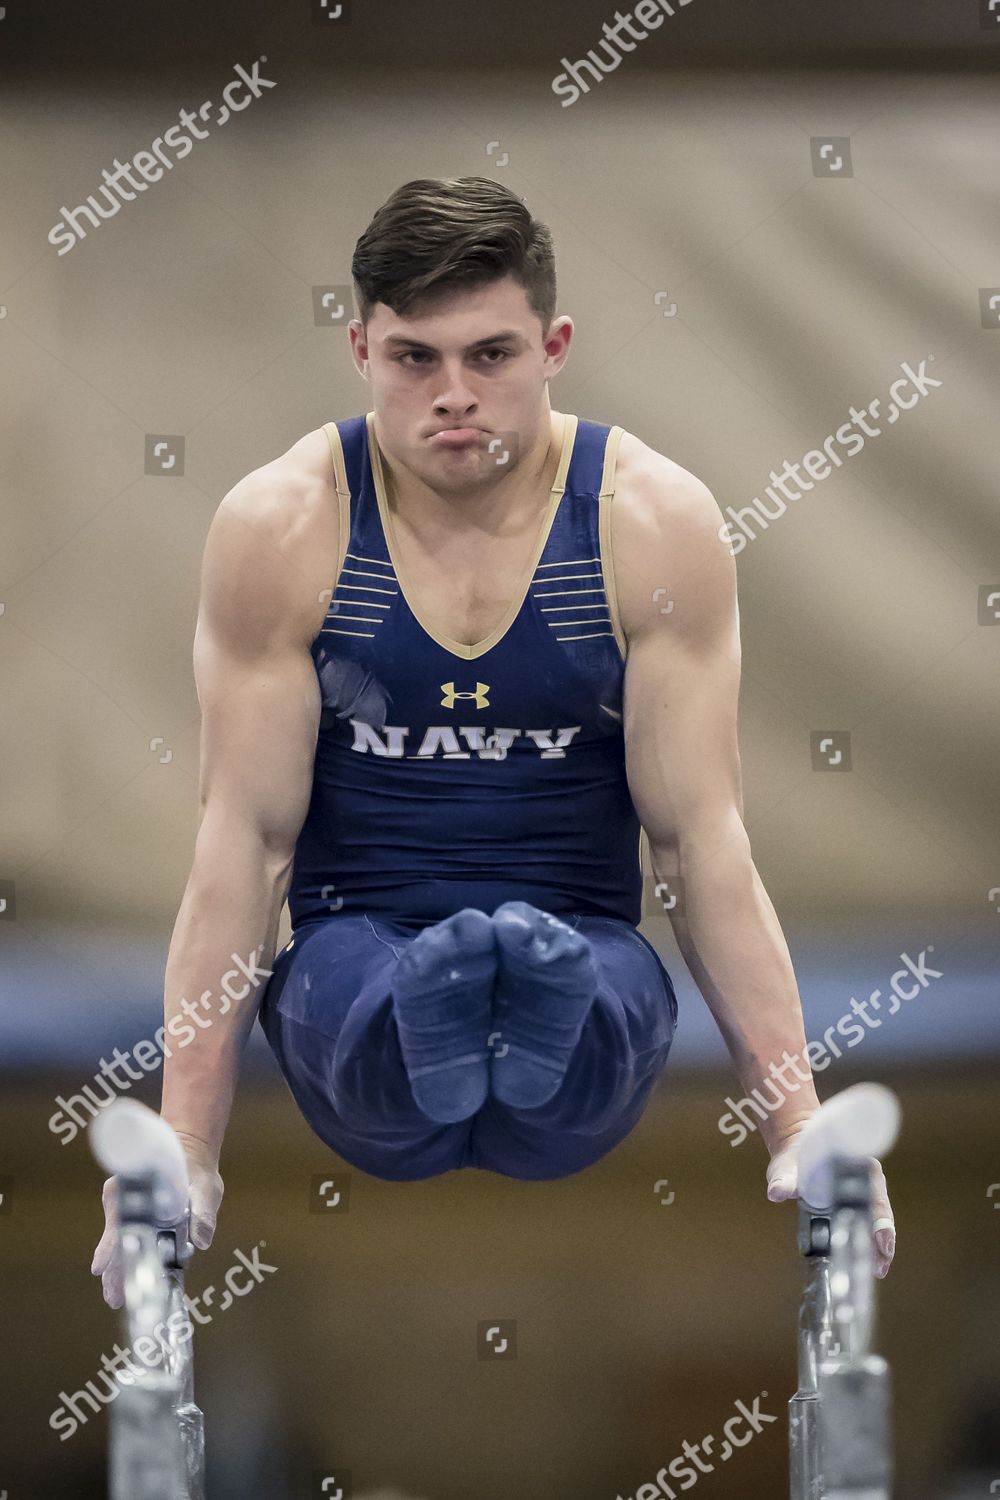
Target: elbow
(700, 838)
(228, 841)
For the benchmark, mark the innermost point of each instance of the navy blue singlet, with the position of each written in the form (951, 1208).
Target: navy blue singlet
(449, 775)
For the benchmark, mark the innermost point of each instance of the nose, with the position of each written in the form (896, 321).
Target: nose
(455, 399)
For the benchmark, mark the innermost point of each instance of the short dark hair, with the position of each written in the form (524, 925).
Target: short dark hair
(437, 234)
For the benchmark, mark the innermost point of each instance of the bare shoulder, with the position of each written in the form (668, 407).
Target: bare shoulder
(271, 551)
(290, 497)
(652, 490)
(665, 536)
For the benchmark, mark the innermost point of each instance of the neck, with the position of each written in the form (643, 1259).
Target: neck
(501, 507)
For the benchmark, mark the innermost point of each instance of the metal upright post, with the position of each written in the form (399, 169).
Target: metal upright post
(839, 1418)
(157, 1436)
(815, 1338)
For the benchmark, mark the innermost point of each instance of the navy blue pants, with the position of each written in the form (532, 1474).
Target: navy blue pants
(327, 1014)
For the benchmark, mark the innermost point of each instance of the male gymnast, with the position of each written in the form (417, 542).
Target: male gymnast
(445, 684)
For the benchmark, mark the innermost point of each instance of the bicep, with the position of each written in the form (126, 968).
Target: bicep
(257, 687)
(682, 679)
(260, 719)
(682, 753)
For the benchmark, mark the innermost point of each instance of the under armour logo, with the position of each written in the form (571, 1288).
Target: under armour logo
(448, 701)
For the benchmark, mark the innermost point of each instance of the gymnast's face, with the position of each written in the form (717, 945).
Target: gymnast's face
(474, 360)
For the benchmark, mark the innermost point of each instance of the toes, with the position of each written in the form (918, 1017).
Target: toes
(556, 942)
(536, 935)
(474, 928)
(467, 931)
(515, 913)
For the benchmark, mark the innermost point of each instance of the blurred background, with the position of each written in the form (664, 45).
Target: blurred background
(764, 216)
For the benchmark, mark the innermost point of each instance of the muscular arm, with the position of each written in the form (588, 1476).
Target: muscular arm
(266, 565)
(681, 690)
(260, 705)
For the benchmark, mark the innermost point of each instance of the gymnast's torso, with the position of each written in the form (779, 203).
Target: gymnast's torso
(455, 772)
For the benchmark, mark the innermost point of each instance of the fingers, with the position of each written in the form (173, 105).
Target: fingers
(885, 1249)
(113, 1283)
(883, 1226)
(880, 1193)
(202, 1230)
(106, 1262)
(782, 1180)
(206, 1195)
(106, 1247)
(783, 1176)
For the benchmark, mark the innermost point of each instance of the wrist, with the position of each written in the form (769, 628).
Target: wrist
(781, 1129)
(200, 1151)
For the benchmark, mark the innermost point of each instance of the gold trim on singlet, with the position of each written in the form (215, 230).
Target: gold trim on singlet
(604, 534)
(343, 497)
(459, 648)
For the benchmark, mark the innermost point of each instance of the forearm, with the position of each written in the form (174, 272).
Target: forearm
(731, 940)
(221, 955)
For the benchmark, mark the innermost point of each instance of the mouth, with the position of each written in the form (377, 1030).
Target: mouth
(457, 437)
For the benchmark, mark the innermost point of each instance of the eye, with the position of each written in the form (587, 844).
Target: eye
(422, 355)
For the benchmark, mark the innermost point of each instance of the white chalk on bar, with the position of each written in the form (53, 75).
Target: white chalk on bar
(128, 1139)
(862, 1120)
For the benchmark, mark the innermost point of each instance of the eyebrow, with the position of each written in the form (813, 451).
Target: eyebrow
(507, 335)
